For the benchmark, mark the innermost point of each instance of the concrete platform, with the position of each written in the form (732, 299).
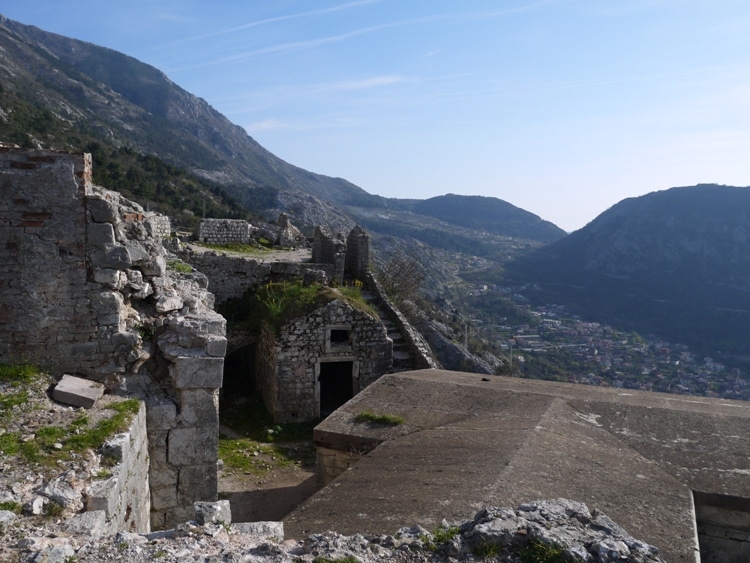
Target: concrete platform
(469, 441)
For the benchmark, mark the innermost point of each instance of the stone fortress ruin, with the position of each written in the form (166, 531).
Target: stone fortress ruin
(87, 288)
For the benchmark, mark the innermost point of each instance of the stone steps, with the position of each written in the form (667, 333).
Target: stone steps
(403, 360)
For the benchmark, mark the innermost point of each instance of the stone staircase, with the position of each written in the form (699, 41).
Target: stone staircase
(403, 360)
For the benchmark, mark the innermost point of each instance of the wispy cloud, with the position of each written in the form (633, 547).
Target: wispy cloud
(268, 125)
(366, 83)
(276, 19)
(297, 46)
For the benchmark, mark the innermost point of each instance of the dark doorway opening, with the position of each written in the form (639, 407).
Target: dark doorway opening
(239, 373)
(723, 523)
(335, 385)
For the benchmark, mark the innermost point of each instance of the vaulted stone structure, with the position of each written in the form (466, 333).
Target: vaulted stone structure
(317, 362)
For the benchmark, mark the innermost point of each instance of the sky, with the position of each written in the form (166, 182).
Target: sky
(560, 107)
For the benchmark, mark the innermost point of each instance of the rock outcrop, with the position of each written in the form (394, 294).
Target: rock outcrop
(543, 528)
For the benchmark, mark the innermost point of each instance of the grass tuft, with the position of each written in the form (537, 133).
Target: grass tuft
(370, 417)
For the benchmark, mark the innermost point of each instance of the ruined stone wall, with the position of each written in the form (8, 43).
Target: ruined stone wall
(329, 249)
(225, 231)
(84, 289)
(160, 225)
(294, 356)
(45, 299)
(121, 501)
(357, 254)
(231, 276)
(417, 345)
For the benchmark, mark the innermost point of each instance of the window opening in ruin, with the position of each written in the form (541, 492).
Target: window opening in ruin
(335, 385)
(339, 336)
(723, 523)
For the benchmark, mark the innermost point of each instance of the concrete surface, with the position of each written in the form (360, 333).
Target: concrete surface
(470, 441)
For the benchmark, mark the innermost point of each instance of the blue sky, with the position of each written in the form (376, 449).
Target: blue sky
(561, 107)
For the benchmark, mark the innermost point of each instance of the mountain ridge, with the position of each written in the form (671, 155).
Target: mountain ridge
(672, 261)
(124, 101)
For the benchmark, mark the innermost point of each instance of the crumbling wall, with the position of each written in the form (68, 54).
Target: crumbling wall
(120, 502)
(231, 276)
(225, 231)
(357, 262)
(45, 299)
(85, 289)
(329, 249)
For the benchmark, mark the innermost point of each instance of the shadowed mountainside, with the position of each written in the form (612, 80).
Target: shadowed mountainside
(674, 262)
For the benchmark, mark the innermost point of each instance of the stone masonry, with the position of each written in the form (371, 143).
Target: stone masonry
(85, 289)
(225, 231)
(289, 363)
(330, 249)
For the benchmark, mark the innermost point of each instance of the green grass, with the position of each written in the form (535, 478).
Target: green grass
(236, 247)
(264, 445)
(370, 417)
(10, 400)
(74, 438)
(179, 266)
(486, 550)
(444, 535)
(18, 373)
(538, 552)
(96, 436)
(11, 506)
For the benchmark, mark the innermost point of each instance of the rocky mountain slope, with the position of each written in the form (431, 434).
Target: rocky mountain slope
(673, 262)
(120, 101)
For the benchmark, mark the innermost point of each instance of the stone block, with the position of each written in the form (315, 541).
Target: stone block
(216, 347)
(101, 234)
(160, 478)
(193, 446)
(116, 447)
(161, 416)
(197, 482)
(155, 267)
(77, 391)
(217, 512)
(107, 276)
(102, 211)
(199, 407)
(163, 497)
(197, 372)
(114, 257)
(91, 523)
(137, 254)
(273, 531)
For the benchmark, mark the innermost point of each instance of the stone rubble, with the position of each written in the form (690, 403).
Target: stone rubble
(494, 534)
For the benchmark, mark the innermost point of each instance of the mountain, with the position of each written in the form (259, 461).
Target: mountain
(100, 95)
(121, 101)
(674, 262)
(488, 214)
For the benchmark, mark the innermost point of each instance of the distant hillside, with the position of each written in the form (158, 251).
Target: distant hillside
(488, 214)
(674, 262)
(120, 101)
